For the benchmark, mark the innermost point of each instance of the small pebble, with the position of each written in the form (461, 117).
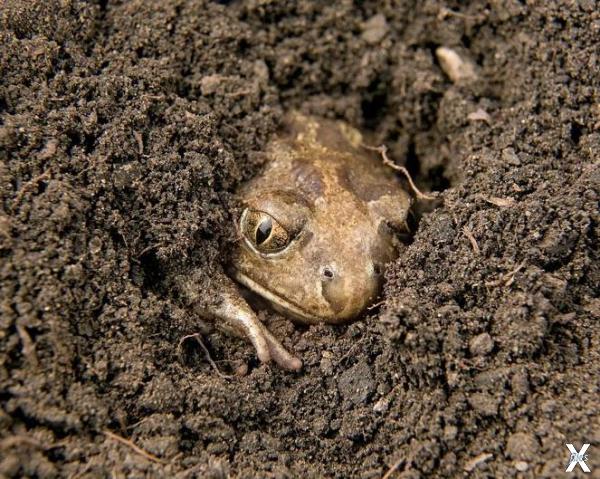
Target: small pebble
(479, 115)
(521, 466)
(374, 29)
(456, 68)
(509, 156)
(356, 384)
(481, 344)
(382, 405)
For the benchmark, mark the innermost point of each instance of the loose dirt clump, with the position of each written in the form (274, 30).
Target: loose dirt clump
(125, 128)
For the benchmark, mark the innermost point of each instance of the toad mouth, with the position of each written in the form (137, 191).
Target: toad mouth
(274, 298)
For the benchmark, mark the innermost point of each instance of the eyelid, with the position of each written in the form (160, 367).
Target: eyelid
(287, 208)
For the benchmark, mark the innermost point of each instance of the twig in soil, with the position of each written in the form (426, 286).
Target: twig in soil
(28, 346)
(196, 336)
(501, 202)
(237, 94)
(446, 12)
(153, 97)
(473, 463)
(131, 445)
(137, 423)
(471, 238)
(509, 277)
(386, 161)
(148, 248)
(393, 469)
(376, 305)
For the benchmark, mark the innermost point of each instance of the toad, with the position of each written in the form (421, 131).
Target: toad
(317, 228)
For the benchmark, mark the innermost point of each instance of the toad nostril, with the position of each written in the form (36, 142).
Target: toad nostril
(376, 269)
(328, 273)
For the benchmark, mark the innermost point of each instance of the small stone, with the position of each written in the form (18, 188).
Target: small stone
(481, 344)
(356, 384)
(374, 29)
(479, 115)
(509, 156)
(382, 405)
(521, 466)
(455, 67)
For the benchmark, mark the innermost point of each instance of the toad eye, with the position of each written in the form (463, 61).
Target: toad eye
(264, 232)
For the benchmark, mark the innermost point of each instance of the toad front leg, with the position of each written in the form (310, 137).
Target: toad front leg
(234, 316)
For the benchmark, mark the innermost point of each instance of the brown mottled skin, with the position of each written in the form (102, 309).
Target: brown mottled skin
(324, 205)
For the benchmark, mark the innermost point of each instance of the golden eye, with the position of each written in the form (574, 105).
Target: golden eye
(264, 232)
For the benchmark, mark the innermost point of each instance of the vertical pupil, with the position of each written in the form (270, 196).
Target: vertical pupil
(264, 230)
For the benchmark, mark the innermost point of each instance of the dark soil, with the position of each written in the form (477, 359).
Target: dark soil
(125, 128)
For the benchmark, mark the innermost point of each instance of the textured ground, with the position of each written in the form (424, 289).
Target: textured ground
(125, 128)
